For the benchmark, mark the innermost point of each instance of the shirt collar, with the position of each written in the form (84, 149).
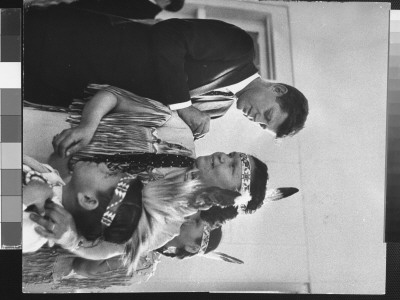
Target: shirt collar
(237, 87)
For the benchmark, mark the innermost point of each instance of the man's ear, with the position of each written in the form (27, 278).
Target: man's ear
(279, 89)
(87, 202)
(192, 248)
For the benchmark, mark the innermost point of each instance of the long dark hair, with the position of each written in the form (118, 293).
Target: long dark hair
(217, 216)
(213, 243)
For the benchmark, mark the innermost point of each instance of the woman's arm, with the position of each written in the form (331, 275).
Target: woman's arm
(142, 112)
(73, 139)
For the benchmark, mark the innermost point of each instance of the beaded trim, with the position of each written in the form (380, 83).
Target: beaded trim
(119, 195)
(245, 186)
(205, 239)
(246, 173)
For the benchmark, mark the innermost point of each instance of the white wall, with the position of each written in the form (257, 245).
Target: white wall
(340, 62)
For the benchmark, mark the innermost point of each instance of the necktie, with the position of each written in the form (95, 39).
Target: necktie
(218, 93)
(215, 103)
(136, 163)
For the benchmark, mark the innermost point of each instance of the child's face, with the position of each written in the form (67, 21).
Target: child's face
(190, 235)
(92, 179)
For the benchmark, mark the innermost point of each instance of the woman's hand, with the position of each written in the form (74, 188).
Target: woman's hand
(58, 226)
(72, 140)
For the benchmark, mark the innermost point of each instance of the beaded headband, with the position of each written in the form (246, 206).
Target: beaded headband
(118, 197)
(242, 201)
(246, 173)
(205, 239)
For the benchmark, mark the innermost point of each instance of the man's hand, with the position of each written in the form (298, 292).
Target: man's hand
(71, 140)
(198, 121)
(58, 226)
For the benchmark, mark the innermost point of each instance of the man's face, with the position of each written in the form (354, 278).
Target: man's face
(92, 179)
(259, 105)
(221, 170)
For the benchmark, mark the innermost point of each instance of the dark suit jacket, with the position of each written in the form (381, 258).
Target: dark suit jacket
(66, 49)
(132, 9)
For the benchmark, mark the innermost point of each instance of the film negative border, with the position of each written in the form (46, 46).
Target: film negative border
(10, 129)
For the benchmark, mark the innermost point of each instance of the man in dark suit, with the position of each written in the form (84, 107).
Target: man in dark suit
(175, 62)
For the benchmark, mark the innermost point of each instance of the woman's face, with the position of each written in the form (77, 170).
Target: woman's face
(222, 170)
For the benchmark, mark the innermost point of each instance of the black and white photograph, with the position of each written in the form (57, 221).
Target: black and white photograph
(204, 146)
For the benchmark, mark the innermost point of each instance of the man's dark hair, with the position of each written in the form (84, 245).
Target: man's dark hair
(295, 104)
(175, 5)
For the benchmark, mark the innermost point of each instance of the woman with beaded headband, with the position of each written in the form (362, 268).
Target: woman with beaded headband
(112, 234)
(221, 173)
(211, 218)
(130, 213)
